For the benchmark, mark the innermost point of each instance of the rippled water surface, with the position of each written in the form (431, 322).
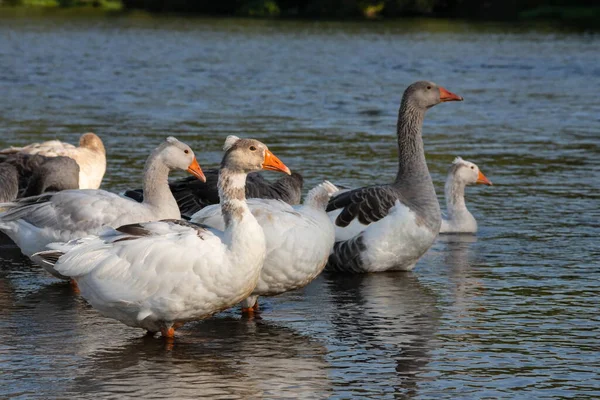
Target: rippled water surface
(510, 313)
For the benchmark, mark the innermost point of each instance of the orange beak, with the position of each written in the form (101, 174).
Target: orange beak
(195, 170)
(483, 180)
(273, 163)
(448, 96)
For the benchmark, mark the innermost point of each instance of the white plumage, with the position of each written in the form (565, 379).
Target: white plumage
(158, 275)
(458, 218)
(34, 222)
(299, 239)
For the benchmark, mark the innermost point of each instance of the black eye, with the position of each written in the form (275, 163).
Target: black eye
(186, 151)
(472, 167)
(428, 87)
(252, 148)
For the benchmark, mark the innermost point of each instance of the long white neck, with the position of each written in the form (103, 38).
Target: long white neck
(243, 235)
(457, 211)
(157, 194)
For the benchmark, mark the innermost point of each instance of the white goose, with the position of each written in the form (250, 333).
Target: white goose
(460, 174)
(390, 226)
(158, 275)
(34, 222)
(90, 156)
(299, 239)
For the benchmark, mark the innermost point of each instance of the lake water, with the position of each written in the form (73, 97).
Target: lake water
(513, 312)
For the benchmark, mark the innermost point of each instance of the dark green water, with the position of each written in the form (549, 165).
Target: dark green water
(511, 313)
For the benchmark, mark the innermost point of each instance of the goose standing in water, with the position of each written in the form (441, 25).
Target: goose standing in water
(390, 226)
(298, 238)
(193, 195)
(34, 222)
(460, 174)
(159, 275)
(90, 156)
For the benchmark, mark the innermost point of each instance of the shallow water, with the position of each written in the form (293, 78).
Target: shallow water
(512, 313)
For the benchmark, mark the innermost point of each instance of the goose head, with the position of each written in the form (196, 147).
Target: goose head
(178, 155)
(468, 173)
(249, 155)
(92, 141)
(426, 94)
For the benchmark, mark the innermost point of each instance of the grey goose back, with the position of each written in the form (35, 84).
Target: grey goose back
(90, 156)
(193, 195)
(390, 226)
(458, 218)
(39, 174)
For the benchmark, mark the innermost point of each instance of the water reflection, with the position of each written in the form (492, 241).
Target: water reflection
(387, 320)
(217, 358)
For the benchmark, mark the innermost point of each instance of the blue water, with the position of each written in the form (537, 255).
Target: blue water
(510, 313)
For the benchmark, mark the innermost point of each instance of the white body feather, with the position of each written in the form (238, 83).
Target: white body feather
(71, 214)
(395, 242)
(175, 274)
(298, 239)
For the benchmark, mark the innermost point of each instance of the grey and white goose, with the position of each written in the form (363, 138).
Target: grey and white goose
(390, 226)
(193, 195)
(460, 174)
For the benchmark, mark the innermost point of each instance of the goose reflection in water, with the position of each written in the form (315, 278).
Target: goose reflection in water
(387, 320)
(217, 358)
(458, 253)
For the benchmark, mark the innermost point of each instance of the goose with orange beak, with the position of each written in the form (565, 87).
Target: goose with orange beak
(390, 226)
(34, 222)
(460, 174)
(193, 271)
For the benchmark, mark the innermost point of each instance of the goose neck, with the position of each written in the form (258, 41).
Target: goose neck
(157, 193)
(454, 191)
(232, 195)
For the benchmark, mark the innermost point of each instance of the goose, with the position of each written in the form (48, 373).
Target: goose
(460, 174)
(159, 275)
(90, 156)
(299, 239)
(9, 182)
(34, 222)
(38, 174)
(390, 226)
(193, 195)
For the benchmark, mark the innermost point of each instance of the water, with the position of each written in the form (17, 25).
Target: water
(510, 313)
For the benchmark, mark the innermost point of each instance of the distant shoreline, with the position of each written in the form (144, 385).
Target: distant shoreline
(574, 17)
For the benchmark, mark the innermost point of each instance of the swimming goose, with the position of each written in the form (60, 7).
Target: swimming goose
(390, 226)
(90, 156)
(298, 238)
(193, 195)
(9, 182)
(33, 222)
(460, 174)
(158, 275)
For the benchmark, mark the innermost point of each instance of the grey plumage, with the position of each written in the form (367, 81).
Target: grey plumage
(193, 195)
(38, 174)
(413, 186)
(9, 183)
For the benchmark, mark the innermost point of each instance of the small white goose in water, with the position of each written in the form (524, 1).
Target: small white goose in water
(158, 275)
(460, 174)
(90, 156)
(299, 239)
(34, 222)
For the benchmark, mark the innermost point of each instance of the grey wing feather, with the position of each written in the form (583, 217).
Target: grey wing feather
(368, 204)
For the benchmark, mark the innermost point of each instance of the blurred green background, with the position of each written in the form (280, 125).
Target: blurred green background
(581, 12)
